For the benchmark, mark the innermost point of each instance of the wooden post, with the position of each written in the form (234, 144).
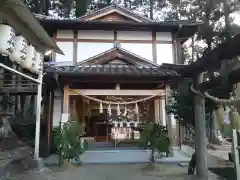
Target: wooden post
(236, 153)
(49, 115)
(169, 121)
(157, 111)
(200, 130)
(66, 100)
(65, 104)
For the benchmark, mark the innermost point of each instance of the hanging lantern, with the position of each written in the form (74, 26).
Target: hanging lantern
(101, 108)
(37, 64)
(118, 110)
(31, 56)
(19, 53)
(7, 36)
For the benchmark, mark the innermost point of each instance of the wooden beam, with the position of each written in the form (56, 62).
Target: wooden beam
(111, 92)
(17, 90)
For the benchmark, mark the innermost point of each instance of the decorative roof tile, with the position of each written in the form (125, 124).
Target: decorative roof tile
(111, 69)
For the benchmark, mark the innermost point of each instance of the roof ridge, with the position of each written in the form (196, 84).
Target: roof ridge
(90, 13)
(117, 7)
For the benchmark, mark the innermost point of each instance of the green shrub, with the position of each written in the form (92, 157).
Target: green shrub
(67, 141)
(155, 137)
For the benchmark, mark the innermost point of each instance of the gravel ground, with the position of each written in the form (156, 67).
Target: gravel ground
(124, 171)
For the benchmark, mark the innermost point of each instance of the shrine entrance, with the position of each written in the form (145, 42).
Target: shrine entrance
(111, 125)
(113, 92)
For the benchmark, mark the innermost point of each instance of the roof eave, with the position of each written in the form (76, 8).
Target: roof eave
(21, 19)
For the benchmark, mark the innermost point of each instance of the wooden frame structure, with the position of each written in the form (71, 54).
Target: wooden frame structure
(17, 15)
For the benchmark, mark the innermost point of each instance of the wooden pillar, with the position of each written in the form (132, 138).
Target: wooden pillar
(200, 130)
(162, 111)
(154, 47)
(65, 102)
(46, 116)
(75, 47)
(66, 99)
(157, 111)
(169, 120)
(50, 119)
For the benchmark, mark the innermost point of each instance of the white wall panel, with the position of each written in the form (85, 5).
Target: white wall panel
(57, 111)
(144, 50)
(164, 36)
(90, 49)
(65, 34)
(67, 48)
(165, 53)
(95, 34)
(134, 35)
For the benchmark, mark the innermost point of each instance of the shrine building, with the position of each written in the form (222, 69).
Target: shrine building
(111, 77)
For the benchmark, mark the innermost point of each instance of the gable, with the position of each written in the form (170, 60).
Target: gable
(114, 17)
(118, 61)
(118, 56)
(114, 13)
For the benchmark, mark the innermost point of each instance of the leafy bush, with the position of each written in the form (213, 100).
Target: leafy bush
(155, 137)
(67, 141)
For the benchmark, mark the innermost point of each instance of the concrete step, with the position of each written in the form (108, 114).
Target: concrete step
(129, 156)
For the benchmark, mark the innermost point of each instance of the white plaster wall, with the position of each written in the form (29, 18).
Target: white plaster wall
(89, 49)
(144, 49)
(96, 34)
(64, 34)
(165, 53)
(163, 36)
(57, 107)
(134, 35)
(57, 111)
(67, 48)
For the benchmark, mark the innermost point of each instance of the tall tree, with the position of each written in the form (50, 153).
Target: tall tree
(38, 6)
(211, 33)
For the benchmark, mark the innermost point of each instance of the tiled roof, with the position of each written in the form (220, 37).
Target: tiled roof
(110, 69)
(115, 8)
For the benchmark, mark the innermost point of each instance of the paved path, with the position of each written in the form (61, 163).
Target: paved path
(124, 171)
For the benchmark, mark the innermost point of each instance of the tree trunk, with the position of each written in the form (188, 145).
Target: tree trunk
(192, 164)
(227, 18)
(152, 158)
(151, 9)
